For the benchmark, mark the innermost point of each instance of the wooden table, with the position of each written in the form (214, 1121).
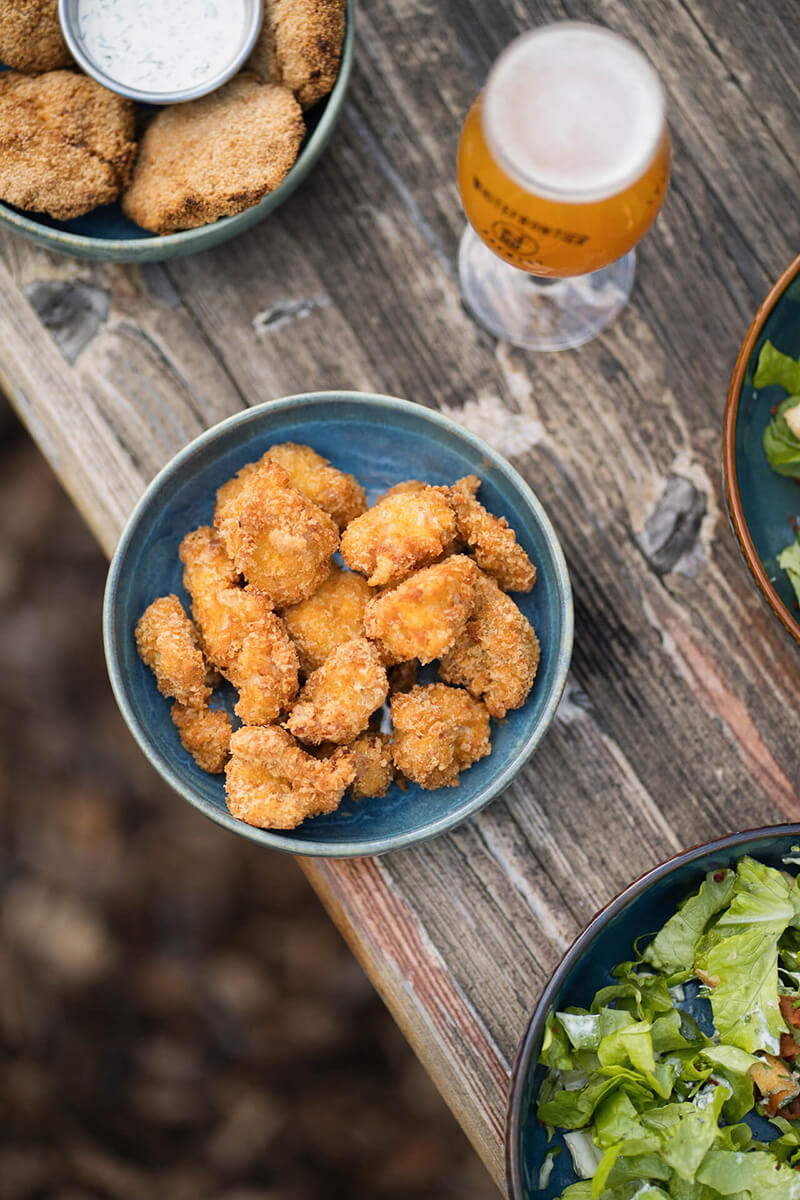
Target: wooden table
(678, 721)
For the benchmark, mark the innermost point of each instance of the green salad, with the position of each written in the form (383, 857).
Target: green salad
(782, 436)
(650, 1084)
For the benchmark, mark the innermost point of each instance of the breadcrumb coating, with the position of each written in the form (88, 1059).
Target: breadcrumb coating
(491, 539)
(300, 45)
(497, 655)
(338, 699)
(398, 535)
(205, 733)
(66, 143)
(272, 783)
(332, 616)
(168, 644)
(374, 766)
(438, 732)
(423, 615)
(279, 540)
(215, 156)
(337, 493)
(31, 37)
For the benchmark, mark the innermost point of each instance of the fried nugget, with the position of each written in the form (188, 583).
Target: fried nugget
(31, 37)
(398, 535)
(438, 732)
(332, 616)
(278, 539)
(338, 494)
(497, 655)
(338, 699)
(215, 156)
(423, 615)
(374, 766)
(274, 784)
(205, 733)
(240, 634)
(168, 644)
(300, 45)
(66, 143)
(491, 539)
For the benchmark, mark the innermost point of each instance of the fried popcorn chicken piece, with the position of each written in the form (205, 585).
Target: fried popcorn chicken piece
(332, 616)
(497, 655)
(240, 633)
(423, 615)
(168, 644)
(406, 487)
(398, 535)
(374, 766)
(491, 539)
(300, 45)
(205, 733)
(338, 494)
(274, 784)
(66, 143)
(31, 37)
(438, 732)
(338, 699)
(215, 156)
(279, 540)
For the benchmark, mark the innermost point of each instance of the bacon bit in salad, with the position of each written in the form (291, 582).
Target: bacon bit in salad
(789, 1047)
(790, 1010)
(709, 980)
(719, 876)
(775, 1083)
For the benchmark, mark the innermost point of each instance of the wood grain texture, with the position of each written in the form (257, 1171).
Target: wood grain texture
(676, 724)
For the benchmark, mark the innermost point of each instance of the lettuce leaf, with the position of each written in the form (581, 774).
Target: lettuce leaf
(756, 1175)
(777, 369)
(673, 948)
(789, 561)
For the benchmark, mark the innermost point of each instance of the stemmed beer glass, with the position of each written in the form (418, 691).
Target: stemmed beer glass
(563, 166)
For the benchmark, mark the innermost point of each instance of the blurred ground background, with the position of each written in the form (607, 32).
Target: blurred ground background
(178, 1017)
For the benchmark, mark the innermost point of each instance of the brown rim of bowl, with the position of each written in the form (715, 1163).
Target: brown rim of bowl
(729, 461)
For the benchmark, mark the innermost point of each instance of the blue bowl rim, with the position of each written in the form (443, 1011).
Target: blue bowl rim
(64, 241)
(375, 846)
(535, 1027)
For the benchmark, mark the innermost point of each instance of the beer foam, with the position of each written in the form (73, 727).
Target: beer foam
(573, 111)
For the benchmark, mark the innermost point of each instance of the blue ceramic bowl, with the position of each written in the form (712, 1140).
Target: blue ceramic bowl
(381, 440)
(106, 234)
(586, 967)
(760, 502)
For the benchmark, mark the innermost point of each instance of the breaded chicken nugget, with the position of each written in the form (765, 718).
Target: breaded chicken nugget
(338, 699)
(270, 782)
(300, 45)
(66, 143)
(205, 733)
(491, 539)
(278, 539)
(168, 644)
(423, 615)
(497, 655)
(398, 535)
(374, 766)
(239, 632)
(338, 494)
(406, 487)
(215, 156)
(438, 732)
(31, 37)
(332, 616)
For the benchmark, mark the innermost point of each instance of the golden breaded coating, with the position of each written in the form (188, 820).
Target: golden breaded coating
(374, 766)
(338, 494)
(332, 616)
(491, 539)
(279, 540)
(423, 615)
(168, 644)
(66, 143)
(406, 487)
(338, 699)
(300, 45)
(398, 535)
(205, 733)
(438, 732)
(274, 784)
(497, 655)
(211, 157)
(240, 634)
(31, 37)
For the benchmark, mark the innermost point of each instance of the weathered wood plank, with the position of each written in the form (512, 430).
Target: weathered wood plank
(675, 725)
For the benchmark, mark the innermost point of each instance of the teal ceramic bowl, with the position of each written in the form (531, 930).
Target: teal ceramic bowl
(106, 234)
(586, 967)
(761, 503)
(381, 440)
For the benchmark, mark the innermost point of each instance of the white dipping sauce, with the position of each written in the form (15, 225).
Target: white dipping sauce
(161, 45)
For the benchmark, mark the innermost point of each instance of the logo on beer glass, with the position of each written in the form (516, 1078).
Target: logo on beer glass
(514, 239)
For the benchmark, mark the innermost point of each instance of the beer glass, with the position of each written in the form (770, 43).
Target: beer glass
(563, 166)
